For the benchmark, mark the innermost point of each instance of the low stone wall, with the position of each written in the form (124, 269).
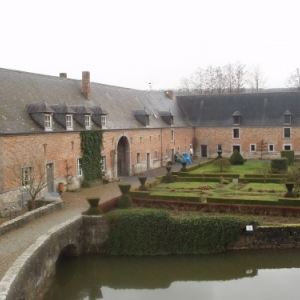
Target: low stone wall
(30, 272)
(270, 237)
(30, 216)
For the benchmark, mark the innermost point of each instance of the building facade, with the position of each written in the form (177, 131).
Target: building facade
(41, 118)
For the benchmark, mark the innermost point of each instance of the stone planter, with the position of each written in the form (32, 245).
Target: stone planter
(183, 169)
(219, 154)
(289, 186)
(125, 200)
(290, 194)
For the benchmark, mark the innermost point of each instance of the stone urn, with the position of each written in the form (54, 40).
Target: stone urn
(169, 178)
(289, 186)
(183, 169)
(125, 200)
(219, 154)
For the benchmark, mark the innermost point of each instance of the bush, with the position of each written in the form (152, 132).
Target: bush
(289, 154)
(222, 164)
(236, 158)
(155, 232)
(279, 165)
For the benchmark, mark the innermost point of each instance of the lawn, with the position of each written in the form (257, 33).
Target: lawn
(249, 167)
(233, 190)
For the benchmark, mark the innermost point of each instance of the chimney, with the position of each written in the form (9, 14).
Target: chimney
(170, 94)
(63, 75)
(86, 89)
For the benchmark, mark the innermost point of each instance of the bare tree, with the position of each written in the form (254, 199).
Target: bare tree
(185, 85)
(210, 80)
(240, 77)
(293, 81)
(262, 146)
(230, 78)
(220, 80)
(31, 173)
(256, 79)
(198, 81)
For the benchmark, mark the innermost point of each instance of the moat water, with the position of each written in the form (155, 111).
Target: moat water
(245, 275)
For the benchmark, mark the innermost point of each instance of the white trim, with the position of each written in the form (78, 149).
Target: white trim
(254, 147)
(290, 145)
(79, 167)
(48, 122)
(69, 123)
(233, 130)
(284, 132)
(269, 148)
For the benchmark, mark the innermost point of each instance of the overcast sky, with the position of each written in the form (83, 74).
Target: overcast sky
(130, 43)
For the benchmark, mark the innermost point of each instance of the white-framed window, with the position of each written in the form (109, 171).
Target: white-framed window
(287, 132)
(79, 166)
(103, 121)
(26, 176)
(236, 133)
(178, 149)
(271, 148)
(138, 158)
(48, 121)
(167, 152)
(252, 147)
(69, 122)
(87, 120)
(172, 135)
(287, 119)
(156, 155)
(103, 163)
(287, 147)
(236, 120)
(219, 147)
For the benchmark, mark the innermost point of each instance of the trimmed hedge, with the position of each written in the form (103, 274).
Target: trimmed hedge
(261, 180)
(240, 201)
(148, 195)
(294, 202)
(278, 176)
(279, 165)
(155, 232)
(289, 154)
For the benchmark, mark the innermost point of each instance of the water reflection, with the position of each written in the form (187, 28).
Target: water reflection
(231, 275)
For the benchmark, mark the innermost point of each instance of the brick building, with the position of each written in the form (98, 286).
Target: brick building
(42, 116)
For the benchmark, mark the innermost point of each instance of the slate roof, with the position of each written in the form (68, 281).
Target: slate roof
(266, 109)
(18, 88)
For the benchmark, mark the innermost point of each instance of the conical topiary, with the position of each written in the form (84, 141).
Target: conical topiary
(236, 158)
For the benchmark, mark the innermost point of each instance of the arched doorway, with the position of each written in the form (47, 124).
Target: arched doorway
(123, 157)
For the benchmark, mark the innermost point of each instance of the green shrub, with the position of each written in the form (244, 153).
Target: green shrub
(222, 164)
(289, 154)
(236, 158)
(279, 165)
(155, 232)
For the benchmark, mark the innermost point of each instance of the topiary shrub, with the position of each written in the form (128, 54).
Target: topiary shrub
(222, 164)
(289, 154)
(125, 200)
(279, 165)
(236, 158)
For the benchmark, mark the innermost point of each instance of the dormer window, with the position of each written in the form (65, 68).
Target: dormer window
(236, 118)
(167, 117)
(87, 119)
(103, 121)
(69, 122)
(142, 116)
(287, 118)
(48, 122)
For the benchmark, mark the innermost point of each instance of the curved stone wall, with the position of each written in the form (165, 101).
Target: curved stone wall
(29, 273)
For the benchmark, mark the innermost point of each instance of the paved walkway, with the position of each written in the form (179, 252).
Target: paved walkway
(14, 243)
